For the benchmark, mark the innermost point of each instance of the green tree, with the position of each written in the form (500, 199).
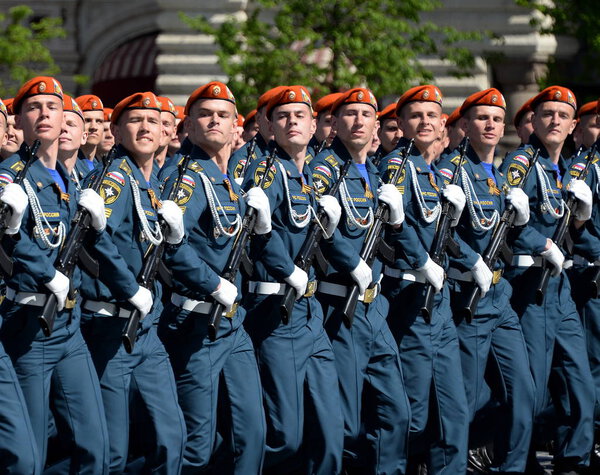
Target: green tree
(23, 53)
(579, 19)
(331, 45)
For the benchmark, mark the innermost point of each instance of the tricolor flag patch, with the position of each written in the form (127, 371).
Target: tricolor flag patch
(522, 159)
(323, 169)
(579, 166)
(116, 176)
(395, 161)
(188, 180)
(446, 173)
(5, 178)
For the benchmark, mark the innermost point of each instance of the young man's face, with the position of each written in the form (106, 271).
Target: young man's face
(421, 121)
(94, 126)
(553, 121)
(168, 128)
(484, 125)
(354, 125)
(40, 117)
(589, 129)
(389, 134)
(324, 124)
(14, 138)
(292, 125)
(525, 127)
(211, 123)
(138, 130)
(73, 133)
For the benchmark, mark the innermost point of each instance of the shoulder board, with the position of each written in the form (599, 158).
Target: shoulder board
(332, 160)
(195, 166)
(529, 150)
(455, 160)
(17, 166)
(125, 167)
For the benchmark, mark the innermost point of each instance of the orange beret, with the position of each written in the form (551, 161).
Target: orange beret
(388, 112)
(598, 106)
(445, 117)
(240, 120)
(212, 90)
(556, 94)
(289, 95)
(488, 97)
(107, 113)
(588, 108)
(525, 108)
(250, 117)
(166, 105)
(36, 86)
(89, 103)
(324, 104)
(427, 93)
(263, 100)
(358, 95)
(70, 105)
(453, 117)
(9, 106)
(3, 109)
(180, 112)
(139, 100)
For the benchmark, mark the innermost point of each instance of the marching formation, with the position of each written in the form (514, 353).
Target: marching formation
(317, 288)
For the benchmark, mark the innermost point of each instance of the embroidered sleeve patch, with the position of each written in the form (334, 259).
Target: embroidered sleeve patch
(184, 193)
(5, 179)
(116, 176)
(522, 159)
(109, 191)
(323, 170)
(447, 173)
(515, 173)
(320, 182)
(237, 171)
(260, 171)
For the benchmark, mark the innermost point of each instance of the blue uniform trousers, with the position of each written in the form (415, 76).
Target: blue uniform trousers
(149, 367)
(589, 311)
(553, 332)
(297, 370)
(434, 383)
(495, 334)
(199, 364)
(64, 360)
(374, 402)
(18, 449)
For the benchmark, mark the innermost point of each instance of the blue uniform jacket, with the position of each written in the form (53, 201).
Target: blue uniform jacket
(82, 167)
(120, 249)
(33, 261)
(238, 159)
(343, 249)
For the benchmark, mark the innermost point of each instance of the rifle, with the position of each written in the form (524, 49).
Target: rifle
(373, 240)
(560, 234)
(321, 146)
(152, 260)
(6, 263)
(309, 249)
(70, 251)
(237, 253)
(442, 239)
(249, 153)
(497, 245)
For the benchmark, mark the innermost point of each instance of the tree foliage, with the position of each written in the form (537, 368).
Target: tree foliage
(332, 45)
(576, 18)
(23, 53)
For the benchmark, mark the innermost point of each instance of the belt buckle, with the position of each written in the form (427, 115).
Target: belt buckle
(311, 288)
(70, 303)
(497, 275)
(231, 312)
(370, 294)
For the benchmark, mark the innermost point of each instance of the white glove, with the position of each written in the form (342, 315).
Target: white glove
(94, 204)
(142, 300)
(555, 257)
(173, 216)
(520, 201)
(433, 273)
(298, 280)
(256, 198)
(456, 196)
(362, 275)
(482, 275)
(14, 196)
(390, 195)
(329, 204)
(59, 286)
(581, 191)
(225, 294)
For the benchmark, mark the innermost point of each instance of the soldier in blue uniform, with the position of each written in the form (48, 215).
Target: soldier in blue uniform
(17, 441)
(586, 259)
(429, 351)
(238, 161)
(168, 115)
(93, 113)
(213, 207)
(324, 132)
(389, 133)
(587, 129)
(374, 403)
(72, 137)
(130, 193)
(494, 335)
(296, 362)
(62, 358)
(553, 331)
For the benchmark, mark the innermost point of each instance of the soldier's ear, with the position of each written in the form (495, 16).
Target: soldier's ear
(334, 123)
(84, 137)
(115, 132)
